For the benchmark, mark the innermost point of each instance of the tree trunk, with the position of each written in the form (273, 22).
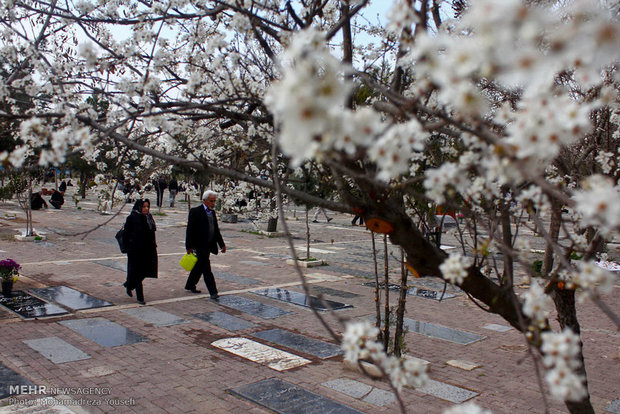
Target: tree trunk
(508, 277)
(386, 281)
(402, 301)
(307, 235)
(567, 317)
(554, 234)
(377, 296)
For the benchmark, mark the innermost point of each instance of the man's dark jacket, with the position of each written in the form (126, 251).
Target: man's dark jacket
(198, 230)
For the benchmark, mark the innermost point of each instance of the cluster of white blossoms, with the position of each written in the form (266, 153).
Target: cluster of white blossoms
(467, 408)
(454, 268)
(537, 304)
(598, 203)
(561, 352)
(359, 344)
(592, 279)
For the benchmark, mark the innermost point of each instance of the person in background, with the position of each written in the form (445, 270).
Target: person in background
(357, 217)
(173, 188)
(202, 238)
(316, 215)
(37, 202)
(141, 248)
(62, 187)
(57, 199)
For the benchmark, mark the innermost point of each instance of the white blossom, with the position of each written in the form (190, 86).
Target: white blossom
(561, 355)
(467, 408)
(599, 203)
(537, 304)
(454, 268)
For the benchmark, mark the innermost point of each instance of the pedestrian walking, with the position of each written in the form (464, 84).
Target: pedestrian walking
(173, 188)
(316, 215)
(357, 217)
(202, 238)
(161, 185)
(141, 248)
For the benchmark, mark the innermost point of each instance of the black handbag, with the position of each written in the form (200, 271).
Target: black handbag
(120, 238)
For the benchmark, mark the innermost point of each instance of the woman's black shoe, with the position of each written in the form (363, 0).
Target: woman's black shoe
(128, 290)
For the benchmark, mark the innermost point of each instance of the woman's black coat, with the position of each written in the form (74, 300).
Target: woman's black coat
(141, 247)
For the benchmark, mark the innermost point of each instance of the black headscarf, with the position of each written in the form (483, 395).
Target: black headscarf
(137, 207)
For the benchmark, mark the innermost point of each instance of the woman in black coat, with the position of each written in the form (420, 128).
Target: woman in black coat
(141, 248)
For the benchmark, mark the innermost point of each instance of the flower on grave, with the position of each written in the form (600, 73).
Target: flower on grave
(9, 269)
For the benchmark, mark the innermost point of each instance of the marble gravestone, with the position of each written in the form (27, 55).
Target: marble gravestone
(286, 398)
(301, 299)
(27, 306)
(69, 298)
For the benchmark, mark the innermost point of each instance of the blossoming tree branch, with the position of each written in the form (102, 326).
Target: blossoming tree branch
(505, 111)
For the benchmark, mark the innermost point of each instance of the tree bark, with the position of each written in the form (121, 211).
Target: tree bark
(400, 311)
(567, 317)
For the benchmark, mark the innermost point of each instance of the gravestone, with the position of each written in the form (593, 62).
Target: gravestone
(301, 299)
(286, 398)
(260, 353)
(224, 320)
(447, 392)
(242, 280)
(441, 332)
(104, 332)
(429, 294)
(251, 306)
(319, 349)
(154, 316)
(10, 378)
(112, 264)
(497, 327)
(69, 298)
(613, 407)
(333, 292)
(27, 306)
(253, 263)
(56, 350)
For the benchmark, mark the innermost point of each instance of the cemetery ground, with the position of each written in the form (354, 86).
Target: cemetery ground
(83, 346)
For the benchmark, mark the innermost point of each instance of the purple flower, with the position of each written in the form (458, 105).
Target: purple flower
(8, 269)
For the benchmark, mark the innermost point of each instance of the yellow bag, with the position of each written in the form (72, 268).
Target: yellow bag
(188, 261)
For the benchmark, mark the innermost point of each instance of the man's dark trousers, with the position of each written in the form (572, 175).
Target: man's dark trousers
(202, 266)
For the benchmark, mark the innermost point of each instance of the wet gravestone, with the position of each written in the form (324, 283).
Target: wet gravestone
(319, 349)
(69, 298)
(441, 332)
(242, 280)
(414, 291)
(224, 320)
(27, 306)
(301, 299)
(104, 332)
(334, 292)
(252, 307)
(287, 398)
(10, 379)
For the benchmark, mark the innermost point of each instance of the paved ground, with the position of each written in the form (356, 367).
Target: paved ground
(177, 369)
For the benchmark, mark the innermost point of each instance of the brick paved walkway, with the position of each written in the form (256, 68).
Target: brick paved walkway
(177, 370)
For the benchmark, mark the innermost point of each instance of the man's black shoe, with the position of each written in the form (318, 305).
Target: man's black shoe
(193, 290)
(216, 296)
(315, 221)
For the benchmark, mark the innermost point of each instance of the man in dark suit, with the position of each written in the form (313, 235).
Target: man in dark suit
(203, 238)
